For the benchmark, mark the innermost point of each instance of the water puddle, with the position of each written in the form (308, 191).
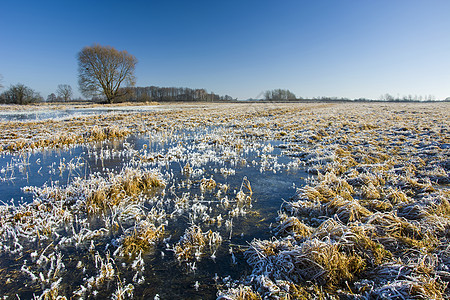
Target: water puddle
(61, 114)
(226, 186)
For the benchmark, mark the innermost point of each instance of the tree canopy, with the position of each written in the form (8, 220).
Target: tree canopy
(102, 69)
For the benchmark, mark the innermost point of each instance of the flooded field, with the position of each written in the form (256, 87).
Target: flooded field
(61, 112)
(227, 201)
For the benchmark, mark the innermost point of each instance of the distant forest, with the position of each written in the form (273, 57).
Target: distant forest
(155, 93)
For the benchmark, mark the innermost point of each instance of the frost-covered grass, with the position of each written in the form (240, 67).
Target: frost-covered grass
(374, 222)
(371, 222)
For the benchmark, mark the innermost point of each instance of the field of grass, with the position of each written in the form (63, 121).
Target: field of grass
(370, 221)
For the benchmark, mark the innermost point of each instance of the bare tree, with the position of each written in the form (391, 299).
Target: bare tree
(64, 92)
(387, 97)
(1, 79)
(51, 98)
(104, 69)
(20, 94)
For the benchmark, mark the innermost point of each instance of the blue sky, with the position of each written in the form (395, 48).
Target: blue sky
(342, 48)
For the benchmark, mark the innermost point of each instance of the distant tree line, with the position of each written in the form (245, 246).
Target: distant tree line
(155, 93)
(283, 95)
(107, 75)
(279, 95)
(407, 98)
(381, 99)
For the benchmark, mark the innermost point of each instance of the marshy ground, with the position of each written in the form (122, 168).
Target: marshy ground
(228, 201)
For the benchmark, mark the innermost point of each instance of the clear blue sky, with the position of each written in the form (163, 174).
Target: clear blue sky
(343, 48)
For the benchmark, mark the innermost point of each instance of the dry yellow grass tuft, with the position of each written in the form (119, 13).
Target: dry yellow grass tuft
(396, 196)
(239, 293)
(141, 239)
(207, 184)
(194, 242)
(338, 266)
(347, 210)
(292, 226)
(129, 183)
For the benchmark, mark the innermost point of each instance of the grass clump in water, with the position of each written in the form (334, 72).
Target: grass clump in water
(141, 239)
(128, 183)
(312, 260)
(194, 243)
(239, 293)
